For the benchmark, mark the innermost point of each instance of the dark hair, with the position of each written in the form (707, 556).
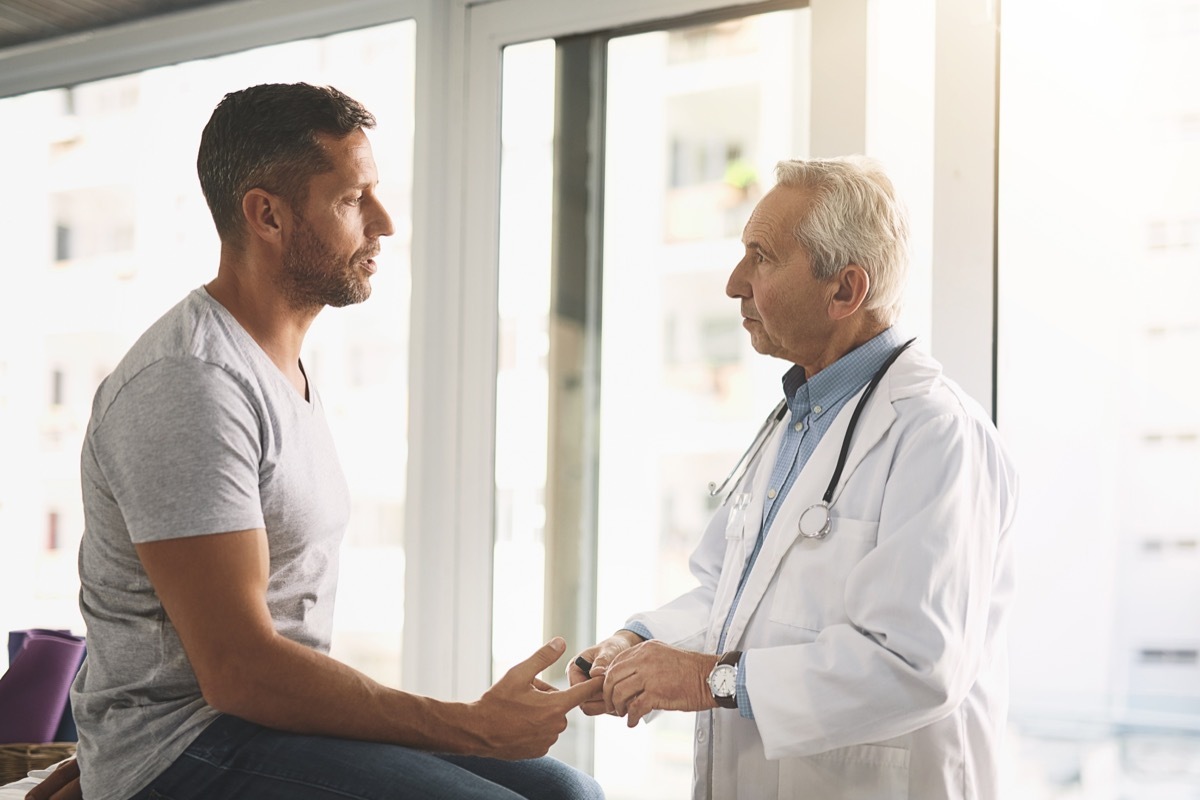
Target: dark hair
(266, 137)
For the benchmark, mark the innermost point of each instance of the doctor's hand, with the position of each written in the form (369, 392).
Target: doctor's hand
(601, 655)
(653, 676)
(520, 716)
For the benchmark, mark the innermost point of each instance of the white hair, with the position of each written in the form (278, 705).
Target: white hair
(852, 216)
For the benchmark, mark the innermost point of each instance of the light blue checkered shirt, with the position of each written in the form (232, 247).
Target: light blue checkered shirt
(814, 404)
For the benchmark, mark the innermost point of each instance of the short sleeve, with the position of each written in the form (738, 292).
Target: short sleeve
(179, 448)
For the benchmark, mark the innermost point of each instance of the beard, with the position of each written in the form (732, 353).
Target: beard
(314, 276)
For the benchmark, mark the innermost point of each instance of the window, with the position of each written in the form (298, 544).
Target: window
(1097, 393)
(113, 231)
(52, 530)
(1166, 656)
(625, 382)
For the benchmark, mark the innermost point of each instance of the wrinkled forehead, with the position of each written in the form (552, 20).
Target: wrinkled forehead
(773, 221)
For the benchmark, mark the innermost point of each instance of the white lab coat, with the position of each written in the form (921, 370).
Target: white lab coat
(875, 659)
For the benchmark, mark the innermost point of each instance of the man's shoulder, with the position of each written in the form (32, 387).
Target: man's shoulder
(187, 345)
(171, 334)
(921, 390)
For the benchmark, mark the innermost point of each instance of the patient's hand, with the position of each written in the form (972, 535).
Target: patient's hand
(62, 784)
(601, 657)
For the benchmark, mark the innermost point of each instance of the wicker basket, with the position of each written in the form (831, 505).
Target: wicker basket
(16, 760)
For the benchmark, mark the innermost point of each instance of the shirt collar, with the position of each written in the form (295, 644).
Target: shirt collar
(832, 385)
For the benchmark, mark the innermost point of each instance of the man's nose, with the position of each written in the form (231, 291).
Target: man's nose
(737, 286)
(382, 224)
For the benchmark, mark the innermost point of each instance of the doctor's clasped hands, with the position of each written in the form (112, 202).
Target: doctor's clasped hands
(642, 676)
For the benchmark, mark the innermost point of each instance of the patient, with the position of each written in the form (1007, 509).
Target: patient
(214, 509)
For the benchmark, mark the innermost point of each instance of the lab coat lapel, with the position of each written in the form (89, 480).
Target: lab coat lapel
(737, 551)
(809, 487)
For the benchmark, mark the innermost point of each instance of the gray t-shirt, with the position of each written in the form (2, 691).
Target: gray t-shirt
(196, 432)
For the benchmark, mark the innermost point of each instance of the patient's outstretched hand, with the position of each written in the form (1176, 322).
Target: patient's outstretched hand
(521, 715)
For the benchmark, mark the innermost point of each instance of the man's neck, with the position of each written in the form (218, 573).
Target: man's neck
(844, 340)
(263, 313)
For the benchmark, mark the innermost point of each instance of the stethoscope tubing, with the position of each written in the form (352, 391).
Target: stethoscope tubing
(818, 512)
(750, 453)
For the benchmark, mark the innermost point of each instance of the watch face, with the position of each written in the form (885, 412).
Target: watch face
(723, 680)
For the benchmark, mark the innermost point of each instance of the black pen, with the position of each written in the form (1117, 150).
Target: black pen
(584, 665)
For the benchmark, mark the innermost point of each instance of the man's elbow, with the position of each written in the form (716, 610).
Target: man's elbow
(232, 684)
(945, 689)
(223, 690)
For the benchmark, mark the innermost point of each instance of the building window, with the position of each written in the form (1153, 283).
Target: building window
(56, 387)
(52, 522)
(1160, 655)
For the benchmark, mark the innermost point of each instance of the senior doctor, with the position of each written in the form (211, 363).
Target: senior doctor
(846, 636)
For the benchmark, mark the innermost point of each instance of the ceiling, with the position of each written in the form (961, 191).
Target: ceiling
(28, 21)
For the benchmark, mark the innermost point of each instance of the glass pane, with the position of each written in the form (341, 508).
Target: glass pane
(109, 230)
(696, 120)
(1099, 224)
(527, 164)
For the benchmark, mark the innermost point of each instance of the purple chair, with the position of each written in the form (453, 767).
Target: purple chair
(34, 693)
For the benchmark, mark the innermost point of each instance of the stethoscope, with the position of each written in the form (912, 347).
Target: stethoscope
(815, 521)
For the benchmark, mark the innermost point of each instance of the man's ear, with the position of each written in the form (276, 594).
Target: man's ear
(853, 283)
(264, 214)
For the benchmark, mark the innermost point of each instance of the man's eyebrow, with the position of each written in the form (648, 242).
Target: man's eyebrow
(755, 244)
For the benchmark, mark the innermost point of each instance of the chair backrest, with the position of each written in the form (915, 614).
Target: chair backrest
(34, 693)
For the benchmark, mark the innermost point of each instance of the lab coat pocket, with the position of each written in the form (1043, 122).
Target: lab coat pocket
(861, 772)
(810, 586)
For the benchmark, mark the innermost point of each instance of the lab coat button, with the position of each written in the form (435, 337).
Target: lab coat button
(701, 736)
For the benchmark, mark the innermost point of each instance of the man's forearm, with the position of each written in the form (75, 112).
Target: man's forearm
(284, 685)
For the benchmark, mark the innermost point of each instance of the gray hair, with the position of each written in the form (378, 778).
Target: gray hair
(852, 217)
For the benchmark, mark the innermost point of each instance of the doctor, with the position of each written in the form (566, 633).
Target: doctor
(846, 636)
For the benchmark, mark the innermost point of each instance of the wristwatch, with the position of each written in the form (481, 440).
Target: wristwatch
(722, 681)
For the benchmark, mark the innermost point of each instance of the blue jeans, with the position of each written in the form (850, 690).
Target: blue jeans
(234, 759)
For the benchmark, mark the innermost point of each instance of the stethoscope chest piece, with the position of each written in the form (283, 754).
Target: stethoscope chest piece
(816, 521)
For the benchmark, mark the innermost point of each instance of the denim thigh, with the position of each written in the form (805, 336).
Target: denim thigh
(238, 760)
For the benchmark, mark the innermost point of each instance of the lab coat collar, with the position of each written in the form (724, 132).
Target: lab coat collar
(835, 383)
